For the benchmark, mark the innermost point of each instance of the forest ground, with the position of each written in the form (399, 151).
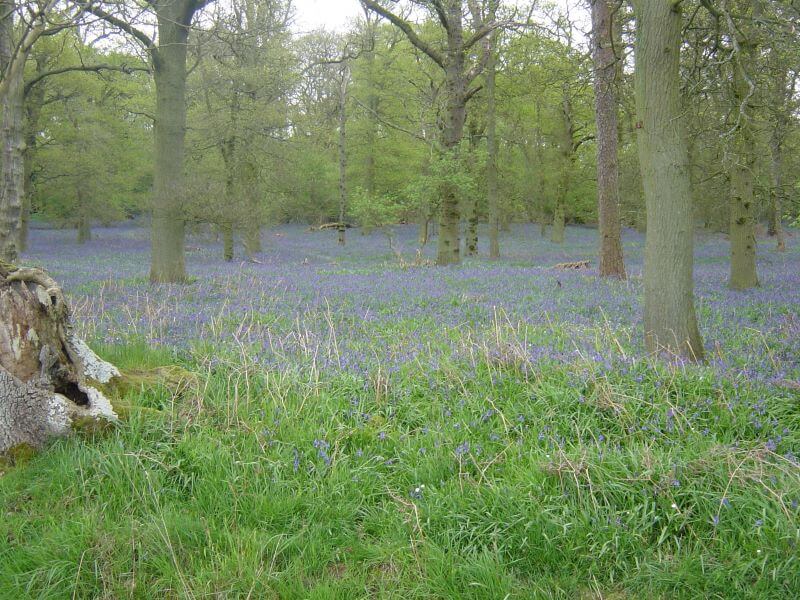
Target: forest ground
(361, 428)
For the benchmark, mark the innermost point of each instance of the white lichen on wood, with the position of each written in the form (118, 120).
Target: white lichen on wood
(49, 378)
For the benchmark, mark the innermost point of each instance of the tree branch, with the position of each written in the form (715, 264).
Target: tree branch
(138, 34)
(406, 28)
(86, 68)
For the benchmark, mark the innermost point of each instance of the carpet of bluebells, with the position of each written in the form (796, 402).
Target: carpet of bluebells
(369, 426)
(356, 308)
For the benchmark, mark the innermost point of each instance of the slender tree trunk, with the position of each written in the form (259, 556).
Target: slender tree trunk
(168, 263)
(742, 210)
(779, 126)
(491, 147)
(566, 152)
(475, 132)
(228, 250)
(605, 93)
(84, 216)
(422, 233)
(776, 195)
(372, 124)
(252, 228)
(345, 74)
(670, 323)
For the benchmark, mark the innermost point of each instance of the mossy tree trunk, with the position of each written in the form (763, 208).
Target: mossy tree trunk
(670, 322)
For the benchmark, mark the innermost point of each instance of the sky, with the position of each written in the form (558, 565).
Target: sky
(331, 14)
(336, 14)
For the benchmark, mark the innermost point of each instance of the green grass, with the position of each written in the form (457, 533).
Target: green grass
(285, 485)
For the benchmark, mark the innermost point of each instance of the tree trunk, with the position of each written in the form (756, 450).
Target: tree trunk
(566, 149)
(168, 262)
(475, 132)
(670, 323)
(84, 217)
(423, 229)
(742, 217)
(491, 158)
(449, 243)
(342, 229)
(228, 251)
(47, 375)
(13, 163)
(780, 119)
(605, 93)
(252, 228)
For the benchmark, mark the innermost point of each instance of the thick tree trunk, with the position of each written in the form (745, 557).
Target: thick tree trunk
(742, 202)
(605, 93)
(670, 322)
(168, 262)
(46, 373)
(449, 243)
(491, 159)
(13, 163)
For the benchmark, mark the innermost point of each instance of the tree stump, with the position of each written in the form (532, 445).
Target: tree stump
(48, 376)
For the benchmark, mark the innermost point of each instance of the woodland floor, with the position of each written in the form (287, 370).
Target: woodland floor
(362, 429)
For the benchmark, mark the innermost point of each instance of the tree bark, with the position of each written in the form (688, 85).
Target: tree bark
(566, 148)
(47, 375)
(168, 262)
(449, 243)
(780, 118)
(605, 94)
(491, 149)
(743, 273)
(670, 322)
(342, 228)
(13, 169)
(84, 216)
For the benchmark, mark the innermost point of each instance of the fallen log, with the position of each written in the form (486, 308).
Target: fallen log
(576, 266)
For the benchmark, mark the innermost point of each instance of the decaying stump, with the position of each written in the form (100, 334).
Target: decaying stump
(48, 376)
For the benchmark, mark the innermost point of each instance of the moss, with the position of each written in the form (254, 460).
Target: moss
(16, 456)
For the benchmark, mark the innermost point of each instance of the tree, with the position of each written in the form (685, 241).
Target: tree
(19, 31)
(458, 77)
(168, 61)
(605, 92)
(491, 150)
(670, 322)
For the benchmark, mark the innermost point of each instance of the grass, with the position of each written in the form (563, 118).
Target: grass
(495, 482)
(362, 431)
